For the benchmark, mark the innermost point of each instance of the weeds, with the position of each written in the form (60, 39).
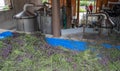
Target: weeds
(30, 53)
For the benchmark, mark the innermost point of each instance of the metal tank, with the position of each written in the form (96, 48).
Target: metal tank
(45, 20)
(26, 21)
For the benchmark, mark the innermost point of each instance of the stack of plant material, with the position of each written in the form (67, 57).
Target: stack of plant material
(24, 52)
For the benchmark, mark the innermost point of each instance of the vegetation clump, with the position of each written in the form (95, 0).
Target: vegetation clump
(24, 52)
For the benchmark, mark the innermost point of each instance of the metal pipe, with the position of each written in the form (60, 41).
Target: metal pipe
(27, 5)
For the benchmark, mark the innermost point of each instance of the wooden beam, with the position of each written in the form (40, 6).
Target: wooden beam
(73, 4)
(73, 7)
(78, 8)
(56, 18)
(69, 13)
(105, 2)
(98, 5)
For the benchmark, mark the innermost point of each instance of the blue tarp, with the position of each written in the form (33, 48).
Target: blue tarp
(107, 45)
(118, 47)
(110, 46)
(74, 45)
(5, 34)
(69, 44)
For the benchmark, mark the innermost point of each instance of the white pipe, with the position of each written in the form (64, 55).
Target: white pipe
(27, 5)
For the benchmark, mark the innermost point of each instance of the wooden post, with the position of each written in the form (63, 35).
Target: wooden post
(78, 8)
(69, 13)
(73, 7)
(56, 18)
(105, 3)
(98, 5)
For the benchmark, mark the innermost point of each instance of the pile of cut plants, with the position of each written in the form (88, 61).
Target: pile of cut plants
(30, 52)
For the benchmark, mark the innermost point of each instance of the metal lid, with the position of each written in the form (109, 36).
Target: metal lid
(25, 15)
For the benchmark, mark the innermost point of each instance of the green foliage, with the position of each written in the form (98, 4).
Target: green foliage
(30, 53)
(114, 66)
(82, 10)
(1, 44)
(6, 7)
(84, 3)
(115, 53)
(44, 1)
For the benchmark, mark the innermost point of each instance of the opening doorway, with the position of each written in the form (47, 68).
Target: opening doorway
(83, 11)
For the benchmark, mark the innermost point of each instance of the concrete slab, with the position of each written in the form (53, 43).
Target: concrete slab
(9, 25)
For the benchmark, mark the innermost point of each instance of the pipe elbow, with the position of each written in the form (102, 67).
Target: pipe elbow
(27, 5)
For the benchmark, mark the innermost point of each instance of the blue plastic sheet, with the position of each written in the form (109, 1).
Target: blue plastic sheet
(110, 46)
(69, 44)
(74, 45)
(107, 45)
(5, 34)
(118, 47)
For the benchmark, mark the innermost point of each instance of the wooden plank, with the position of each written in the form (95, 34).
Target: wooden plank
(78, 8)
(69, 13)
(73, 7)
(56, 18)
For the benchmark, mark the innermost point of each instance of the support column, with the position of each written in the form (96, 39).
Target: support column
(78, 10)
(69, 13)
(73, 7)
(56, 18)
